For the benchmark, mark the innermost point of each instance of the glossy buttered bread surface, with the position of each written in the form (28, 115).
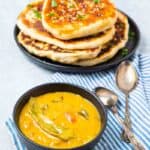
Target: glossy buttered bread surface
(70, 19)
(30, 24)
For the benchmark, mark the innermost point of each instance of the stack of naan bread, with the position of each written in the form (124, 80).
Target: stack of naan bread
(75, 32)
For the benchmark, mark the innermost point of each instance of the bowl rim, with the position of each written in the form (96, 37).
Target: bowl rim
(103, 108)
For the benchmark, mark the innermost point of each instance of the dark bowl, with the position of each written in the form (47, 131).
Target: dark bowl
(55, 87)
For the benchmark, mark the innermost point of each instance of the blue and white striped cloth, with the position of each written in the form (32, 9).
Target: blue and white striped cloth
(139, 105)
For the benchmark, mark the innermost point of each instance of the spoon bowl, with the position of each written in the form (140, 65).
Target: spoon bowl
(126, 77)
(108, 97)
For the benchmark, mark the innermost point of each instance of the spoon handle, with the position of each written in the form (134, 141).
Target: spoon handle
(135, 142)
(127, 114)
(127, 120)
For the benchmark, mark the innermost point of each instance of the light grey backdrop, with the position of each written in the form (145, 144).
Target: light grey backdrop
(17, 74)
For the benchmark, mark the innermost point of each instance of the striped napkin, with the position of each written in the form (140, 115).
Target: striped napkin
(139, 105)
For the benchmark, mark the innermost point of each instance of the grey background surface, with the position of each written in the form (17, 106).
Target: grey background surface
(17, 74)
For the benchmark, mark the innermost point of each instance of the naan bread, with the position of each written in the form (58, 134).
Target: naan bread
(69, 19)
(29, 22)
(55, 53)
(111, 48)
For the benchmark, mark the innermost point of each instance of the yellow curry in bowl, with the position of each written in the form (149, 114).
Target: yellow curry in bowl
(60, 120)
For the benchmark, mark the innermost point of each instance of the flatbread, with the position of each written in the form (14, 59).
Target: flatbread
(42, 49)
(111, 49)
(29, 22)
(69, 19)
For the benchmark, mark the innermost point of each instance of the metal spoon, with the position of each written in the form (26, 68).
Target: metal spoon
(126, 79)
(109, 99)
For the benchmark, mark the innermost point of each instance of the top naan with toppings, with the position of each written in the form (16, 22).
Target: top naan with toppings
(30, 23)
(69, 19)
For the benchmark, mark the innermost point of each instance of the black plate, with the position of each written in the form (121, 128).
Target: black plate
(54, 66)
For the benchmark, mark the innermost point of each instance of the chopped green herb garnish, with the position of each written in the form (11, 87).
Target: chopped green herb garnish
(30, 6)
(51, 14)
(131, 35)
(96, 1)
(72, 6)
(121, 25)
(54, 3)
(84, 114)
(37, 14)
(131, 38)
(44, 108)
(58, 100)
(124, 52)
(81, 16)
